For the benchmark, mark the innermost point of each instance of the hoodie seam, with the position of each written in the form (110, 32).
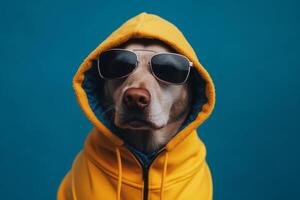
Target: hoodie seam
(174, 181)
(140, 22)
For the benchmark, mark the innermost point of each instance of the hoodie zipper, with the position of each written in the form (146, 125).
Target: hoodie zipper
(146, 181)
(146, 172)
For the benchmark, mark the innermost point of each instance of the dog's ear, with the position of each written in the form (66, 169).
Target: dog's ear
(190, 87)
(100, 83)
(197, 86)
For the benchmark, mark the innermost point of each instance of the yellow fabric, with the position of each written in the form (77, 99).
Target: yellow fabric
(163, 176)
(106, 169)
(119, 173)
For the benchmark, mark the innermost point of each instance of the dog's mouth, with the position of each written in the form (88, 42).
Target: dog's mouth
(139, 123)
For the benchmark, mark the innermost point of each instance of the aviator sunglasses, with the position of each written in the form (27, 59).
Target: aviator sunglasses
(167, 67)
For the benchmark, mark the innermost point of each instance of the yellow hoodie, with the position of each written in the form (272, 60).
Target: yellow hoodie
(108, 168)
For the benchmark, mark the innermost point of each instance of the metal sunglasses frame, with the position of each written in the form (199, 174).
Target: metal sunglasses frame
(149, 63)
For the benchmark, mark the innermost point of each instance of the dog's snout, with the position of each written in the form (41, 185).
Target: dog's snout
(136, 98)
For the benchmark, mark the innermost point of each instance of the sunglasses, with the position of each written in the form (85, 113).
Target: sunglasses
(171, 68)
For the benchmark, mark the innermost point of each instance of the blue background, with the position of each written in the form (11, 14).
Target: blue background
(250, 48)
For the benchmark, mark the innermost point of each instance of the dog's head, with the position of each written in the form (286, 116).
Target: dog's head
(141, 102)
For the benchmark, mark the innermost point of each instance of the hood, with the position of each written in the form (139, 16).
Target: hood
(107, 161)
(87, 83)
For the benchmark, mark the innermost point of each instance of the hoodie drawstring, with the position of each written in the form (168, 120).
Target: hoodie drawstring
(164, 172)
(119, 173)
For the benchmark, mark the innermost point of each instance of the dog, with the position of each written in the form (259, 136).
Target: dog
(145, 104)
(166, 105)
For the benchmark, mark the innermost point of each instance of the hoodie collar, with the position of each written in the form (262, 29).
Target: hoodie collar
(112, 159)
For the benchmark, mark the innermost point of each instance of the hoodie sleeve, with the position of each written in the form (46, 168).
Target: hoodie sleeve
(65, 189)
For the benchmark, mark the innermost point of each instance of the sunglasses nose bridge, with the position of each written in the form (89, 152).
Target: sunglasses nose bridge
(138, 62)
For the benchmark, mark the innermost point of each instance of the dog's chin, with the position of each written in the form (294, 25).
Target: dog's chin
(138, 124)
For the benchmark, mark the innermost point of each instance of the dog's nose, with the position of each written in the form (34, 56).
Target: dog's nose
(136, 98)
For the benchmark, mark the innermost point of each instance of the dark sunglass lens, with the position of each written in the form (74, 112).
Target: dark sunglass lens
(170, 67)
(116, 63)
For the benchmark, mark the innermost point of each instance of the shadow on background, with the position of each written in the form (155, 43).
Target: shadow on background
(251, 50)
